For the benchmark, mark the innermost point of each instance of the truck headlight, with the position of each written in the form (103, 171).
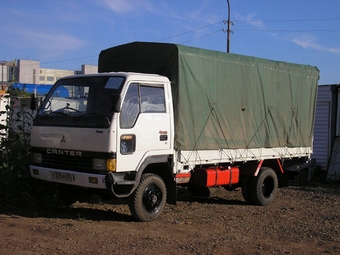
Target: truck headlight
(37, 158)
(104, 164)
(99, 164)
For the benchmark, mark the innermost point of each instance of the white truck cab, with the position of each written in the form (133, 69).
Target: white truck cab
(96, 131)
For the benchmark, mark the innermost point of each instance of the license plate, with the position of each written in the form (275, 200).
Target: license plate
(61, 176)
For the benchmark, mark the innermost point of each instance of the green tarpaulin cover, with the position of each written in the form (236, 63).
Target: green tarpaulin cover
(226, 101)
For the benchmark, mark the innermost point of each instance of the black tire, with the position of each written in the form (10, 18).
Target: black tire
(264, 186)
(148, 200)
(246, 188)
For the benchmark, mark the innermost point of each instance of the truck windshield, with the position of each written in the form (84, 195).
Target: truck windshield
(80, 102)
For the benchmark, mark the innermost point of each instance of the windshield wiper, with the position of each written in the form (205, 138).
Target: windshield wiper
(93, 114)
(49, 114)
(90, 114)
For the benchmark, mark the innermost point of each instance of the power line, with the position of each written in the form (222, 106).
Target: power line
(66, 60)
(202, 36)
(288, 20)
(191, 31)
(258, 30)
(236, 30)
(287, 30)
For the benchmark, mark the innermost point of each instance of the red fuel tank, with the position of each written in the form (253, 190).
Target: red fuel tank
(215, 176)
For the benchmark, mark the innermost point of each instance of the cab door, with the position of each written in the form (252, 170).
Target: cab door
(144, 125)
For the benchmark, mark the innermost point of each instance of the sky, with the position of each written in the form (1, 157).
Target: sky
(65, 34)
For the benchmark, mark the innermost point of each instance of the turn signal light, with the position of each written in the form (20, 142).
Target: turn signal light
(111, 165)
(127, 144)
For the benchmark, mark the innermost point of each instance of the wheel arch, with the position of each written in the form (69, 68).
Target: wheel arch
(251, 168)
(276, 165)
(161, 166)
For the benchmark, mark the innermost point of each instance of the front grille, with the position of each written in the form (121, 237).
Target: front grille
(78, 161)
(79, 164)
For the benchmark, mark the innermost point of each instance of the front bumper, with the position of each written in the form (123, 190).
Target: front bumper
(87, 180)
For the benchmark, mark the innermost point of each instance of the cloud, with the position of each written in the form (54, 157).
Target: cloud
(307, 41)
(124, 6)
(249, 19)
(50, 45)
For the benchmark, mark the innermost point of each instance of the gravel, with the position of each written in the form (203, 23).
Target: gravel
(302, 220)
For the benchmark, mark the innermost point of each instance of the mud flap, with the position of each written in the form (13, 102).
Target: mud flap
(172, 192)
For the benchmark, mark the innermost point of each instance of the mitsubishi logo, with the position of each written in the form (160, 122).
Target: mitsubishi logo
(63, 140)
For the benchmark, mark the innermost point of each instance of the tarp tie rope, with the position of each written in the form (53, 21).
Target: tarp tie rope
(275, 128)
(299, 128)
(257, 130)
(195, 145)
(212, 110)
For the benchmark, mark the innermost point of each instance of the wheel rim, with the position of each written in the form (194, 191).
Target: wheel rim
(152, 198)
(267, 187)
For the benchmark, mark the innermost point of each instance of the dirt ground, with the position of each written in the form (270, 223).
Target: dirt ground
(302, 220)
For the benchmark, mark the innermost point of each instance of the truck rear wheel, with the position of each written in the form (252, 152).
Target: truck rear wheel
(264, 186)
(148, 200)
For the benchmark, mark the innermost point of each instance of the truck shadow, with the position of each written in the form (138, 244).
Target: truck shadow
(112, 210)
(78, 211)
(216, 196)
(93, 214)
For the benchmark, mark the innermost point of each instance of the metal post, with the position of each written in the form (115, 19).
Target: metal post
(2, 75)
(228, 31)
(35, 90)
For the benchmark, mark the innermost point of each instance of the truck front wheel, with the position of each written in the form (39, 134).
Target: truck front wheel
(264, 186)
(148, 200)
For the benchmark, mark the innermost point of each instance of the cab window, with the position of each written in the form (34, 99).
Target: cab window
(141, 99)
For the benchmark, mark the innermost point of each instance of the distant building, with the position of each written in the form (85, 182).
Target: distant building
(30, 72)
(89, 69)
(50, 76)
(27, 71)
(326, 148)
(5, 74)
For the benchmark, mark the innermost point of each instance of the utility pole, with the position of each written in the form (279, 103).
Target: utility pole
(228, 30)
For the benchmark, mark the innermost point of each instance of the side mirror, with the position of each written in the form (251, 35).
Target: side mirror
(33, 103)
(115, 102)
